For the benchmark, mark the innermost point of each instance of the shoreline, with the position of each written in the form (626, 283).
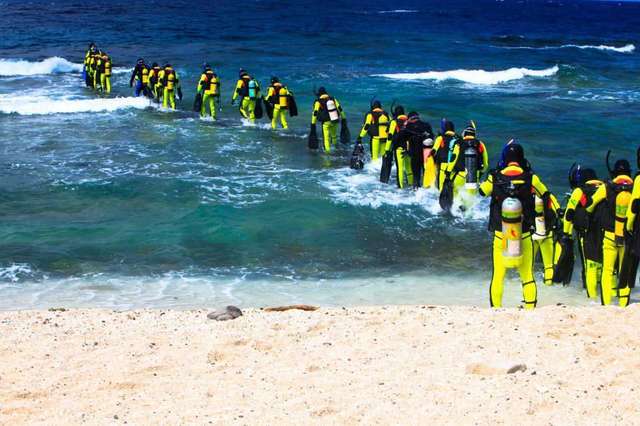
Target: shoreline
(388, 364)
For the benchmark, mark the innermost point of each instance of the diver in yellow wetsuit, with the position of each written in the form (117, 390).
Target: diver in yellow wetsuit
(88, 78)
(170, 85)
(467, 161)
(408, 144)
(278, 96)
(375, 125)
(105, 73)
(95, 65)
(248, 90)
(401, 156)
(209, 88)
(632, 243)
(616, 194)
(584, 183)
(442, 150)
(514, 180)
(327, 110)
(154, 82)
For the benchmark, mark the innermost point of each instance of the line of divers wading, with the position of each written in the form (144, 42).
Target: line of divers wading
(525, 218)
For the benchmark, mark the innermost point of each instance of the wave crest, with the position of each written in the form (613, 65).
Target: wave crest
(627, 48)
(480, 77)
(42, 105)
(54, 65)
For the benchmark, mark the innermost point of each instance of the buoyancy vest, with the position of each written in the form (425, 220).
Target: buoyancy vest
(514, 185)
(328, 110)
(379, 124)
(463, 146)
(107, 67)
(280, 96)
(210, 84)
(581, 218)
(154, 73)
(169, 79)
(618, 200)
(448, 141)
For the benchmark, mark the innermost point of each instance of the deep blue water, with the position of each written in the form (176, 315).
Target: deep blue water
(111, 202)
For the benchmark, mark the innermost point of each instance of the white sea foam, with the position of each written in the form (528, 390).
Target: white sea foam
(398, 11)
(43, 105)
(479, 77)
(54, 65)
(15, 271)
(628, 48)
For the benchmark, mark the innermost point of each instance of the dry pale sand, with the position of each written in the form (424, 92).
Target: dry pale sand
(398, 365)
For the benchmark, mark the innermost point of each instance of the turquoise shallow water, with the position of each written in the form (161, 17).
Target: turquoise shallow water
(111, 202)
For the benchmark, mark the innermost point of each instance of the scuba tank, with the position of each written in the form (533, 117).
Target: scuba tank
(252, 87)
(623, 199)
(511, 232)
(541, 227)
(471, 166)
(332, 110)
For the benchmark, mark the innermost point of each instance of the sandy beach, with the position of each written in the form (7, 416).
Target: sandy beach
(384, 365)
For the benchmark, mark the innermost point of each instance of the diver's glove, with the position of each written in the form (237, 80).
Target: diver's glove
(233, 102)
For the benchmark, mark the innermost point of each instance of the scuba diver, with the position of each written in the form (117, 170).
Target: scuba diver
(584, 183)
(397, 123)
(209, 91)
(140, 74)
(154, 91)
(88, 78)
(512, 187)
(327, 110)
(169, 84)
(375, 125)
(408, 144)
(616, 196)
(105, 73)
(631, 260)
(97, 71)
(249, 91)
(443, 157)
(279, 100)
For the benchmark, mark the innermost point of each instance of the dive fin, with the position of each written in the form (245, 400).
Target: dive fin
(357, 157)
(385, 170)
(563, 268)
(313, 138)
(268, 108)
(446, 195)
(293, 107)
(257, 112)
(345, 134)
(197, 103)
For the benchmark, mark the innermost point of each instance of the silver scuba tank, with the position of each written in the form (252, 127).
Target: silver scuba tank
(541, 227)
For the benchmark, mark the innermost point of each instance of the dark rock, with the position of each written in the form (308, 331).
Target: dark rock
(229, 313)
(517, 368)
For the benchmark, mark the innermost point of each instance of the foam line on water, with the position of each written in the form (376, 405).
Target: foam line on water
(43, 105)
(627, 48)
(53, 65)
(479, 77)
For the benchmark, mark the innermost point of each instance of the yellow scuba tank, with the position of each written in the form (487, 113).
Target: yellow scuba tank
(541, 227)
(511, 232)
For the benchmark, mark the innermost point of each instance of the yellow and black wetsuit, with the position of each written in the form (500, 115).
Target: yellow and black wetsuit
(588, 232)
(545, 243)
(278, 96)
(209, 87)
(376, 125)
(105, 74)
(522, 184)
(400, 152)
(93, 69)
(327, 110)
(170, 83)
(442, 151)
(249, 92)
(88, 77)
(408, 145)
(154, 81)
(617, 196)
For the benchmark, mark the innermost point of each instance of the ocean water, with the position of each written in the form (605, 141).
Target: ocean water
(112, 202)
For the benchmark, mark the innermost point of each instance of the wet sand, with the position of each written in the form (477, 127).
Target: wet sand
(399, 365)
